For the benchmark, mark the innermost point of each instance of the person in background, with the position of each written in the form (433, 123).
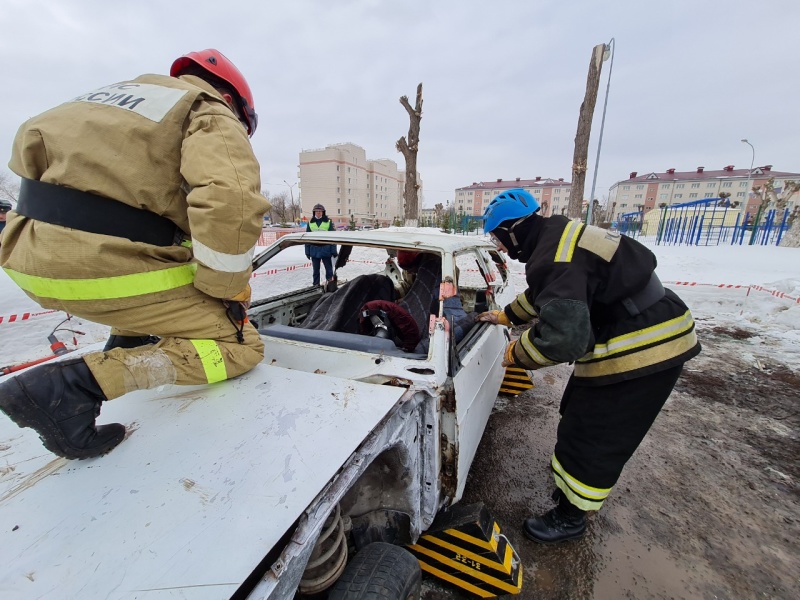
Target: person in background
(156, 240)
(593, 299)
(320, 253)
(5, 206)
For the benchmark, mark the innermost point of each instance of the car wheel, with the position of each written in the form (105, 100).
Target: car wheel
(379, 572)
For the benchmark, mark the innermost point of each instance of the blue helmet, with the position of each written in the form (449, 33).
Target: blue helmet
(511, 204)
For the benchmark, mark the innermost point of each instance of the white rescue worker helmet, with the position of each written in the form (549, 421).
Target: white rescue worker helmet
(217, 64)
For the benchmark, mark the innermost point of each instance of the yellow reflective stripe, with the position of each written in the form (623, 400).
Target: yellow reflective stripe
(574, 498)
(597, 494)
(506, 564)
(211, 357)
(522, 300)
(531, 351)
(105, 288)
(642, 337)
(445, 560)
(566, 246)
(491, 544)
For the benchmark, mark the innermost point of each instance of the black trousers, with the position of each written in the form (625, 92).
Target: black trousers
(600, 429)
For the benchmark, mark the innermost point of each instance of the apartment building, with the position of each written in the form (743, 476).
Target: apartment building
(348, 184)
(551, 194)
(645, 192)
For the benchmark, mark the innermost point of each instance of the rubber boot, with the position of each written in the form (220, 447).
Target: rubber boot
(129, 341)
(562, 523)
(60, 401)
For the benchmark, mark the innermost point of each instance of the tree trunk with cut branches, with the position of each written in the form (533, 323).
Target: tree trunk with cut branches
(584, 130)
(408, 148)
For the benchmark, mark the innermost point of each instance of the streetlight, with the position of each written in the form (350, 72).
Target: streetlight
(749, 173)
(747, 192)
(608, 52)
(291, 194)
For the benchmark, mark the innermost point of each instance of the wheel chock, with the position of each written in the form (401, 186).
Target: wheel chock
(515, 381)
(464, 547)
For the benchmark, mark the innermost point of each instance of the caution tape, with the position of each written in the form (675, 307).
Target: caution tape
(24, 316)
(757, 288)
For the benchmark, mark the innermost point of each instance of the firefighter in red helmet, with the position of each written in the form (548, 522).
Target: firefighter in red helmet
(139, 208)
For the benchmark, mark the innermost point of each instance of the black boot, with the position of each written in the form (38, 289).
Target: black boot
(564, 522)
(129, 341)
(60, 401)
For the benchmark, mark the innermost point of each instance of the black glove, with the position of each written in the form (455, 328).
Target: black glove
(308, 256)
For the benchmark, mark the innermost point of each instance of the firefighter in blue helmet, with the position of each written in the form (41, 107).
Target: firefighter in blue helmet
(593, 299)
(321, 253)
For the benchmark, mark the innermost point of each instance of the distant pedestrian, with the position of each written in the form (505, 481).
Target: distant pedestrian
(593, 299)
(5, 206)
(321, 253)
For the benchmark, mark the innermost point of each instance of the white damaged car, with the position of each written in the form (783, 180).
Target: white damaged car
(342, 455)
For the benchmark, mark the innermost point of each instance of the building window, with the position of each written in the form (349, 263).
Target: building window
(664, 186)
(680, 185)
(678, 196)
(709, 194)
(639, 187)
(743, 184)
(695, 186)
(740, 194)
(626, 187)
(625, 197)
(692, 195)
(727, 184)
(711, 184)
(637, 196)
(663, 196)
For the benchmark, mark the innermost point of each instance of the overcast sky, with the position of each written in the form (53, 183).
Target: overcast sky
(503, 80)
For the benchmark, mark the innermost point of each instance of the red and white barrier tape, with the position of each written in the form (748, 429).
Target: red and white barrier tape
(758, 288)
(24, 316)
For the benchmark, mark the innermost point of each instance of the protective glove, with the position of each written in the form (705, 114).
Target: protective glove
(308, 256)
(508, 357)
(497, 317)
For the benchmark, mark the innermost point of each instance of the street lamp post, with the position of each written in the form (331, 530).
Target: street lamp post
(291, 194)
(609, 51)
(747, 189)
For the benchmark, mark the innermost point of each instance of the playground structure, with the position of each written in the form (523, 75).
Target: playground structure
(706, 222)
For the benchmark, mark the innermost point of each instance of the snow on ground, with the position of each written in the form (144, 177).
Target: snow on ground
(757, 276)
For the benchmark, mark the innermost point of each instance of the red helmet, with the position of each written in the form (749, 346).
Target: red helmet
(216, 63)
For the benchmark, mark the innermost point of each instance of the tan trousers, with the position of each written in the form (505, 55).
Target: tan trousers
(198, 345)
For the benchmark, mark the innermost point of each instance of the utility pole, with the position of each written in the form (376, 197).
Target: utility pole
(585, 115)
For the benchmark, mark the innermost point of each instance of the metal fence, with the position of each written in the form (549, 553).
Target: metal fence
(707, 222)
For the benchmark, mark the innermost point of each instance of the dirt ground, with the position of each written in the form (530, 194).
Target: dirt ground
(708, 507)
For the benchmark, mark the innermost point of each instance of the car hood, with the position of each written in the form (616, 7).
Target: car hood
(207, 481)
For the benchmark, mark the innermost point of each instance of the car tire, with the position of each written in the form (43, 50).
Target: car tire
(379, 571)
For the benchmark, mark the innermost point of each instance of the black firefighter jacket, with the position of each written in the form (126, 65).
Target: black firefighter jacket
(578, 278)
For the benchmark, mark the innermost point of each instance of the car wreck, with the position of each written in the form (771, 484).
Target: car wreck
(348, 446)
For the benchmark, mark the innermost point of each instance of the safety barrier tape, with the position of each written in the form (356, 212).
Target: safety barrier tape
(24, 316)
(758, 288)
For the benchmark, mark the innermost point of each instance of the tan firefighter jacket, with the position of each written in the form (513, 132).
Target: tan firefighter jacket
(170, 146)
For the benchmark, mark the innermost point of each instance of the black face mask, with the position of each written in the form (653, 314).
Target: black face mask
(502, 234)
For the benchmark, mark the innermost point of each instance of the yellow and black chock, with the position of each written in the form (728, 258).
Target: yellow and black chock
(464, 547)
(515, 381)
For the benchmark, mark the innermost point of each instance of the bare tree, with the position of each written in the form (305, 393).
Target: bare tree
(280, 207)
(771, 199)
(409, 149)
(9, 188)
(585, 115)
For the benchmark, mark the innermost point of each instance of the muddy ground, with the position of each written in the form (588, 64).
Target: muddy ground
(708, 507)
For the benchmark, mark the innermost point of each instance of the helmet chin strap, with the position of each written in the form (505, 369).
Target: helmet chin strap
(511, 230)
